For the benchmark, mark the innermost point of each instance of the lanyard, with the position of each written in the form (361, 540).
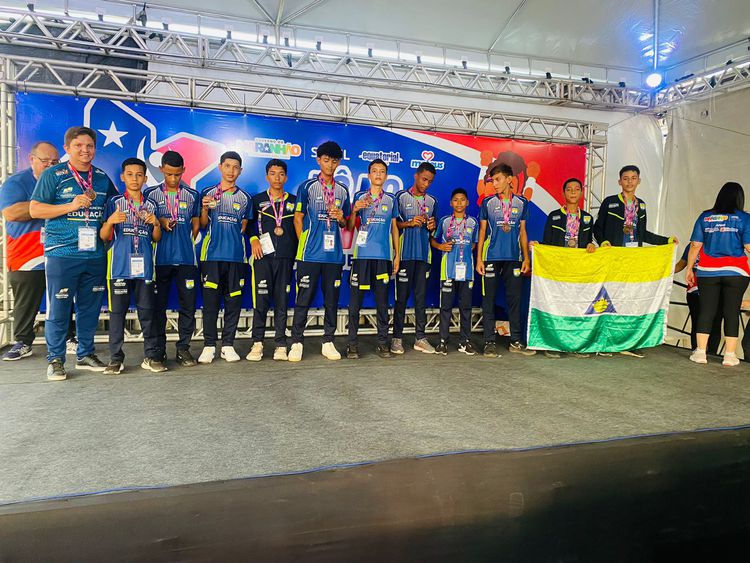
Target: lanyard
(87, 187)
(278, 213)
(631, 211)
(374, 207)
(506, 206)
(457, 235)
(329, 197)
(573, 223)
(175, 209)
(419, 200)
(136, 214)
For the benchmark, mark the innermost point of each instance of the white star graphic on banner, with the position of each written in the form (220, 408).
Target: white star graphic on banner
(113, 135)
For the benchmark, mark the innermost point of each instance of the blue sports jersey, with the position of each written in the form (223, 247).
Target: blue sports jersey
(176, 247)
(124, 244)
(415, 241)
(25, 250)
(224, 241)
(723, 236)
(499, 245)
(57, 186)
(376, 220)
(315, 227)
(462, 233)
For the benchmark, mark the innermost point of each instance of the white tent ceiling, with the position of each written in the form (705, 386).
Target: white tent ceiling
(614, 33)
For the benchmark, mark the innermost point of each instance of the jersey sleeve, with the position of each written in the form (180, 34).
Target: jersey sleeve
(11, 193)
(399, 212)
(483, 210)
(346, 205)
(434, 208)
(109, 208)
(302, 197)
(547, 236)
(44, 191)
(697, 235)
(252, 227)
(685, 252)
(111, 189)
(197, 204)
(475, 234)
(439, 231)
(746, 230)
(525, 210)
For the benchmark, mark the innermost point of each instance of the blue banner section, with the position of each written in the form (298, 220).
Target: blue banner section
(147, 131)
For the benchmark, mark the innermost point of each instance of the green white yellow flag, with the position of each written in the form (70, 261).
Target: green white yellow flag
(610, 300)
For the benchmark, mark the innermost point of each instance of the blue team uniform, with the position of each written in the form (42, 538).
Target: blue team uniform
(125, 245)
(724, 236)
(176, 247)
(25, 252)
(499, 245)
(224, 241)
(415, 242)
(376, 220)
(463, 235)
(311, 202)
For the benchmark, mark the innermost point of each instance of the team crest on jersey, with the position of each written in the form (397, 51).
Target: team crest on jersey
(68, 190)
(289, 206)
(183, 205)
(514, 210)
(338, 202)
(587, 220)
(189, 284)
(62, 172)
(384, 207)
(468, 230)
(236, 206)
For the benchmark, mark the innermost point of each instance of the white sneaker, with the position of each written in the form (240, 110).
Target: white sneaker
(280, 354)
(207, 356)
(330, 352)
(730, 359)
(256, 352)
(295, 354)
(230, 354)
(698, 356)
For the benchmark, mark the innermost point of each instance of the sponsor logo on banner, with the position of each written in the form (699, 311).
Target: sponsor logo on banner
(314, 154)
(428, 156)
(260, 147)
(389, 157)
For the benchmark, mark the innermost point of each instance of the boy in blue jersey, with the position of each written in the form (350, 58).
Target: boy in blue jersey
(274, 245)
(376, 258)
(456, 237)
(178, 209)
(503, 253)
(71, 197)
(225, 212)
(132, 226)
(321, 211)
(417, 218)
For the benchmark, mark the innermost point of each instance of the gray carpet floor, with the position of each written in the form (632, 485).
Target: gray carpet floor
(224, 421)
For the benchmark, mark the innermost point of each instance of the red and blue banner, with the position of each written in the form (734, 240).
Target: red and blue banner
(147, 131)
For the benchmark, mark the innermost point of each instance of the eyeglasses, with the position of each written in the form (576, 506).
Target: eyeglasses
(45, 161)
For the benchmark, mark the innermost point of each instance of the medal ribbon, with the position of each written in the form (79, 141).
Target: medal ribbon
(419, 200)
(374, 207)
(457, 235)
(85, 186)
(573, 223)
(174, 210)
(631, 210)
(329, 197)
(506, 207)
(278, 214)
(134, 213)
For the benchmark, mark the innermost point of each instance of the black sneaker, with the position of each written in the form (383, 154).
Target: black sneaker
(90, 363)
(352, 352)
(467, 348)
(154, 365)
(442, 348)
(490, 350)
(518, 348)
(384, 351)
(56, 370)
(185, 358)
(113, 368)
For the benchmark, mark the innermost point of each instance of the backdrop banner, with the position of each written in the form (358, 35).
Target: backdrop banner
(147, 131)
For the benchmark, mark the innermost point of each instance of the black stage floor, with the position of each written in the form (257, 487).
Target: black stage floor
(560, 452)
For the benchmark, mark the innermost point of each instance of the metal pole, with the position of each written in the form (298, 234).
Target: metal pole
(5, 325)
(656, 33)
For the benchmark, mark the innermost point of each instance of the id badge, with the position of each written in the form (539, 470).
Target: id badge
(137, 267)
(460, 271)
(362, 238)
(633, 244)
(329, 242)
(86, 239)
(42, 236)
(266, 244)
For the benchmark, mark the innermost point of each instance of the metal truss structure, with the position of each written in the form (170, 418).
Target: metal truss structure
(733, 76)
(134, 41)
(248, 91)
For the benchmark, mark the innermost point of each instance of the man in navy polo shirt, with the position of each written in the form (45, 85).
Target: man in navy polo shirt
(225, 212)
(25, 248)
(71, 197)
(178, 208)
(322, 209)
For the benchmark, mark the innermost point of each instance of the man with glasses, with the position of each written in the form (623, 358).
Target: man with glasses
(25, 257)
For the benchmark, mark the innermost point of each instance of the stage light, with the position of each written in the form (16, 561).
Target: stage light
(165, 24)
(419, 57)
(507, 68)
(100, 14)
(318, 43)
(548, 75)
(142, 16)
(653, 80)
(621, 84)
(30, 6)
(370, 47)
(464, 63)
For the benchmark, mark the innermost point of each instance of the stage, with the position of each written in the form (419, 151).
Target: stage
(96, 433)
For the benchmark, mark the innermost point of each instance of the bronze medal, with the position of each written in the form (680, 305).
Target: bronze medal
(627, 229)
(278, 231)
(172, 223)
(91, 194)
(506, 228)
(573, 242)
(143, 214)
(212, 204)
